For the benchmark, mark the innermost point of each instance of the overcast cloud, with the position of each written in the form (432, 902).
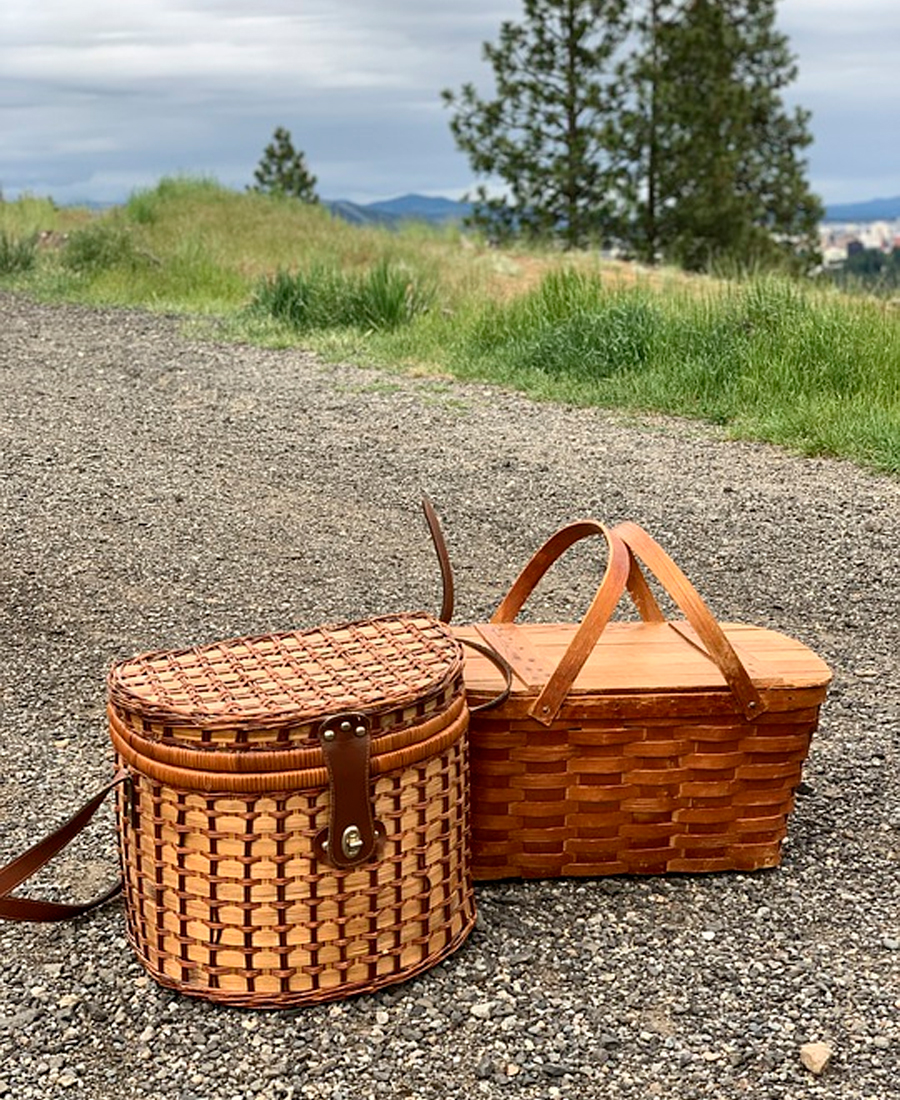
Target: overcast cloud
(103, 96)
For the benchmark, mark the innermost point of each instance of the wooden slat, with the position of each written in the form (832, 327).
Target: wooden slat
(645, 657)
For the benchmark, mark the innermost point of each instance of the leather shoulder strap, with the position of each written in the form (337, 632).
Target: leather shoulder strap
(28, 863)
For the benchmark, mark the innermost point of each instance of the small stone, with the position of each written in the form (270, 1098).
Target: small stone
(481, 1011)
(891, 943)
(382, 1017)
(816, 1056)
(484, 1069)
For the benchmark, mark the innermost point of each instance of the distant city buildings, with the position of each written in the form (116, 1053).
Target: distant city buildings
(838, 240)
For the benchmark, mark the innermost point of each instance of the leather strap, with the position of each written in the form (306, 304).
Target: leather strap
(615, 578)
(688, 599)
(505, 669)
(440, 545)
(447, 604)
(352, 834)
(27, 864)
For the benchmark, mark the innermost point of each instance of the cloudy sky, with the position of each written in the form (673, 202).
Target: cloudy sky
(100, 97)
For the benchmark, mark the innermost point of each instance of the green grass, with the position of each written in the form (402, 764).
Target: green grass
(771, 359)
(17, 253)
(380, 299)
(768, 359)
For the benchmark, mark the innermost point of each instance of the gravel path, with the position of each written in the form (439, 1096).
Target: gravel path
(158, 491)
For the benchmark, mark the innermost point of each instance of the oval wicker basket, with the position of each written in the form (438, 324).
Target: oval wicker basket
(232, 893)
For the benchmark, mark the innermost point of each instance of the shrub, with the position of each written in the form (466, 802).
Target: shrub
(382, 298)
(98, 247)
(17, 253)
(570, 325)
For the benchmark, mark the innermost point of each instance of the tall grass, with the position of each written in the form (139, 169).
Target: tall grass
(17, 253)
(382, 298)
(569, 326)
(769, 358)
(28, 215)
(99, 247)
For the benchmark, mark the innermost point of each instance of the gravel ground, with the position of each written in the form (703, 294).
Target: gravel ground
(159, 490)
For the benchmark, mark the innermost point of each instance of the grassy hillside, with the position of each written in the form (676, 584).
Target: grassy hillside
(771, 359)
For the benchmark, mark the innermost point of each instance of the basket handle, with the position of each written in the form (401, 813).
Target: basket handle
(717, 646)
(615, 579)
(28, 863)
(627, 543)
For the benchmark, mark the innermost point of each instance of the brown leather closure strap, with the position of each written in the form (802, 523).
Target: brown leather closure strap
(550, 699)
(688, 599)
(27, 864)
(352, 834)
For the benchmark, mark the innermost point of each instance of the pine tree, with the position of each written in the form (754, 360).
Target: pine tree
(282, 170)
(547, 133)
(715, 158)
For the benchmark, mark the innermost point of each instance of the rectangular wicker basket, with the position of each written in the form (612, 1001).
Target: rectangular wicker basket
(296, 824)
(635, 747)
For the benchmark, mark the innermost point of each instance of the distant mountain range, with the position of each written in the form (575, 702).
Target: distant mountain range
(437, 211)
(406, 208)
(875, 210)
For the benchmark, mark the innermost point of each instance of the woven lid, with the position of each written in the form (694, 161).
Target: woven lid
(291, 679)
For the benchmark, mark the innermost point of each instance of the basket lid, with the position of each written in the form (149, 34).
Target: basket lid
(273, 680)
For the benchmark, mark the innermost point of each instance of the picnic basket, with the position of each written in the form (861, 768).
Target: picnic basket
(635, 747)
(292, 810)
(294, 824)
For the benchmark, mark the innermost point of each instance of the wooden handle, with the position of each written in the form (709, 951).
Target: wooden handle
(626, 543)
(615, 578)
(688, 599)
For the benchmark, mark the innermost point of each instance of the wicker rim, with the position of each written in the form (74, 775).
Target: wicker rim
(180, 774)
(288, 1000)
(263, 760)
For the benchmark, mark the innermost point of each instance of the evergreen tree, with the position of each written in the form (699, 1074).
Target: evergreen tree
(282, 170)
(715, 158)
(547, 133)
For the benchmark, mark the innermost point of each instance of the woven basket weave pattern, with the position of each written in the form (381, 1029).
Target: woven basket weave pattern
(601, 798)
(662, 745)
(256, 692)
(648, 797)
(226, 898)
(229, 895)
